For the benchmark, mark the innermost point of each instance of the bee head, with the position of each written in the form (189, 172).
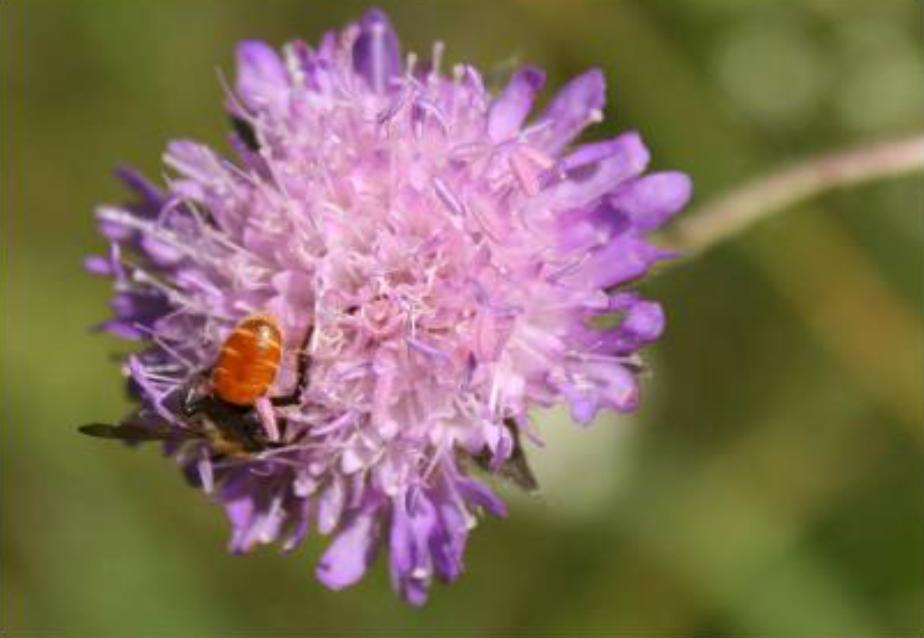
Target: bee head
(190, 397)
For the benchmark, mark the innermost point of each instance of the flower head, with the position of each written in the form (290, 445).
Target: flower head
(433, 252)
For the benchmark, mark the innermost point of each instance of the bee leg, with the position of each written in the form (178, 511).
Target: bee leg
(288, 399)
(301, 381)
(264, 408)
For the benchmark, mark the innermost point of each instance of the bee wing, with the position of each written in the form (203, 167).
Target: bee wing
(124, 431)
(515, 469)
(135, 429)
(246, 133)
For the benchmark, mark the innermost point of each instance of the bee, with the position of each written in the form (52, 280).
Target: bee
(514, 469)
(220, 404)
(245, 132)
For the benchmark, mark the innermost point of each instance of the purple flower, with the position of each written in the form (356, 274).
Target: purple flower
(436, 252)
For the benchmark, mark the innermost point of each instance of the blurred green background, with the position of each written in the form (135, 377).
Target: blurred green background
(770, 485)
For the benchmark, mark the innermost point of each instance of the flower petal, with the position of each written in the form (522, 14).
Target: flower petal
(479, 494)
(644, 321)
(576, 105)
(652, 199)
(377, 52)
(349, 555)
(330, 505)
(512, 106)
(624, 259)
(448, 545)
(600, 172)
(262, 80)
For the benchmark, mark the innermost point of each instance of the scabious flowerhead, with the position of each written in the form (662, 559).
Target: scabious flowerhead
(445, 251)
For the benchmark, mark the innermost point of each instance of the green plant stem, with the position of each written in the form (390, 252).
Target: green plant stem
(737, 210)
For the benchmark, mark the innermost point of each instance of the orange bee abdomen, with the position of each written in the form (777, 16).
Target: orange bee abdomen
(248, 361)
